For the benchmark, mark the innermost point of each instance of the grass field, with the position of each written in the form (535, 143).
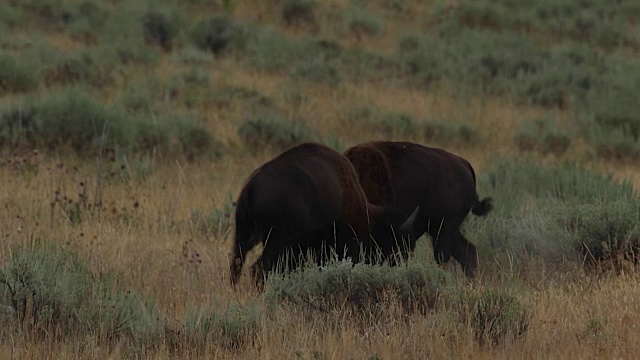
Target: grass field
(127, 129)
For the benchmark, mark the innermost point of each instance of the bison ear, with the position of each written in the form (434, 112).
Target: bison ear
(408, 224)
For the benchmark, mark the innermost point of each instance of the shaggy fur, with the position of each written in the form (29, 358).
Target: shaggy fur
(443, 185)
(309, 199)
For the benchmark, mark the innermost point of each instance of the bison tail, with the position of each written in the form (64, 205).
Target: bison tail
(483, 207)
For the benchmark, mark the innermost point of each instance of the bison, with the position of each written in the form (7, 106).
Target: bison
(308, 200)
(443, 185)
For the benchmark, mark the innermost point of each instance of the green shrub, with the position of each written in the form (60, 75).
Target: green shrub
(448, 132)
(542, 135)
(66, 118)
(135, 52)
(83, 66)
(612, 121)
(298, 11)
(192, 55)
(317, 71)
(606, 233)
(385, 123)
(359, 286)
(541, 212)
(87, 20)
(18, 126)
(17, 75)
(195, 140)
(589, 21)
(10, 17)
(616, 144)
(423, 58)
(271, 51)
(360, 65)
(512, 181)
(361, 22)
(72, 119)
(52, 292)
(159, 29)
(218, 34)
(224, 96)
(494, 316)
(138, 96)
(534, 232)
(269, 130)
(508, 64)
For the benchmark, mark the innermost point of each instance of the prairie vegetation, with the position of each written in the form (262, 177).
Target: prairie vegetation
(127, 129)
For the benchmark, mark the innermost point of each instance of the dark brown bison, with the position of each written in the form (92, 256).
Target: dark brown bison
(443, 185)
(309, 200)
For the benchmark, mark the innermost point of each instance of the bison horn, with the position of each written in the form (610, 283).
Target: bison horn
(408, 224)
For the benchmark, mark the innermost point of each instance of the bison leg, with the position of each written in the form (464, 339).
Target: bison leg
(441, 240)
(275, 257)
(465, 253)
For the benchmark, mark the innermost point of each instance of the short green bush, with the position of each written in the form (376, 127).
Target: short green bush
(361, 22)
(494, 316)
(317, 71)
(86, 66)
(9, 17)
(359, 286)
(49, 290)
(554, 213)
(385, 123)
(72, 119)
(449, 132)
(195, 140)
(612, 123)
(225, 96)
(17, 75)
(159, 29)
(617, 145)
(87, 20)
(606, 234)
(298, 11)
(270, 130)
(218, 34)
(513, 180)
(543, 135)
(586, 21)
(269, 50)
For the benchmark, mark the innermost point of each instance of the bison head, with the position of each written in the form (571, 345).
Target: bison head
(392, 233)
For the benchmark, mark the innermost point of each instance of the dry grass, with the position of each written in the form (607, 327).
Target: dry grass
(163, 257)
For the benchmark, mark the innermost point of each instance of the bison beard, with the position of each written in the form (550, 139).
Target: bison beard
(309, 200)
(443, 185)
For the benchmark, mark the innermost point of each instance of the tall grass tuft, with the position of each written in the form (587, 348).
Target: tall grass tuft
(234, 328)
(494, 316)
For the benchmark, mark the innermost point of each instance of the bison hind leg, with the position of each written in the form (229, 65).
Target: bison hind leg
(465, 254)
